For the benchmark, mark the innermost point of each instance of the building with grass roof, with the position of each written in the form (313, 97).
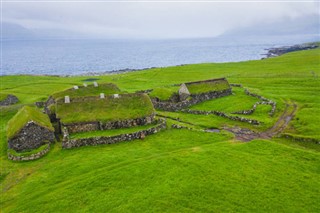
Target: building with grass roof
(8, 99)
(91, 113)
(29, 129)
(180, 96)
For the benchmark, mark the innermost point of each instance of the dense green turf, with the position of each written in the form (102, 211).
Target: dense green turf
(3, 96)
(164, 93)
(203, 87)
(25, 115)
(179, 170)
(127, 106)
(90, 90)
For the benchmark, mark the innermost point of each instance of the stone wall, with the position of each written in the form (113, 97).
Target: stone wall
(11, 99)
(31, 136)
(68, 143)
(264, 100)
(222, 114)
(250, 111)
(30, 157)
(300, 139)
(196, 98)
(98, 125)
(236, 85)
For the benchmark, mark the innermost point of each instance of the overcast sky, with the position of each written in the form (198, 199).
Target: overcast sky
(158, 19)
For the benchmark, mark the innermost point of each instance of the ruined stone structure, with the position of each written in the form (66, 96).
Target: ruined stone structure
(31, 136)
(11, 99)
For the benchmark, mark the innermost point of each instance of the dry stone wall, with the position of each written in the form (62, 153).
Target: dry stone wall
(250, 111)
(11, 99)
(30, 157)
(98, 125)
(300, 139)
(68, 143)
(264, 101)
(31, 136)
(222, 114)
(196, 98)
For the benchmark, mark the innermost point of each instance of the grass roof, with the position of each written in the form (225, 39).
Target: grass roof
(3, 96)
(164, 93)
(208, 86)
(90, 90)
(127, 106)
(23, 116)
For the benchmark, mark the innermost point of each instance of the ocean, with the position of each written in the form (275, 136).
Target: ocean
(76, 57)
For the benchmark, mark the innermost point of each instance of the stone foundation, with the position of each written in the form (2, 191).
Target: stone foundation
(93, 141)
(98, 125)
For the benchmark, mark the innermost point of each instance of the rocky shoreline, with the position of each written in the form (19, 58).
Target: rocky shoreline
(277, 51)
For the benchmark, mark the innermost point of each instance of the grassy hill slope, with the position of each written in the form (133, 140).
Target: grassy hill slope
(177, 170)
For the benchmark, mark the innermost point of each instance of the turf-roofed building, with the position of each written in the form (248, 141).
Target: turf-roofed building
(29, 129)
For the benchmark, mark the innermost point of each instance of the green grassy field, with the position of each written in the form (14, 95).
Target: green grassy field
(179, 170)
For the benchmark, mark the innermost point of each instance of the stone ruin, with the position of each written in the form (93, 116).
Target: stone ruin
(9, 100)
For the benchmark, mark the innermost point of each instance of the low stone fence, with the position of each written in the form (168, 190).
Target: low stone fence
(299, 138)
(264, 100)
(195, 99)
(222, 114)
(30, 157)
(250, 111)
(98, 125)
(11, 99)
(68, 143)
(236, 85)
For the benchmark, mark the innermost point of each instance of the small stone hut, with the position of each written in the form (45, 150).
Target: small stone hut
(9, 99)
(201, 87)
(29, 129)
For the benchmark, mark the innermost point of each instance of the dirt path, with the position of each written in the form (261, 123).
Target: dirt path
(248, 135)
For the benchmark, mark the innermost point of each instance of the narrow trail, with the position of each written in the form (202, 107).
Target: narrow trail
(248, 135)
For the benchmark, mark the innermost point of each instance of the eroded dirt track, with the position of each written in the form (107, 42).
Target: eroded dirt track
(242, 134)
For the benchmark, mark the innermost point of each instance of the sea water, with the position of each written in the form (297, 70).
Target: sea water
(73, 57)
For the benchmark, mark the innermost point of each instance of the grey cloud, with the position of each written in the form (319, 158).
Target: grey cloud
(152, 19)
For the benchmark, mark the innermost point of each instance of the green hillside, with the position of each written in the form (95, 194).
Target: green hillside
(180, 170)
